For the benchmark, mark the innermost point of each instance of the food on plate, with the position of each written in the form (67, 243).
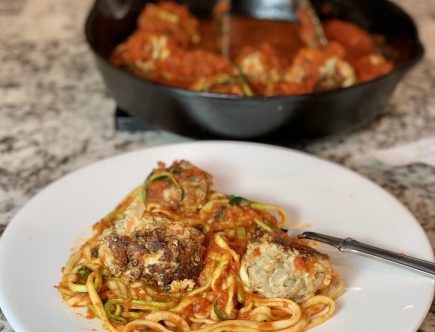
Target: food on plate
(266, 57)
(153, 249)
(276, 267)
(175, 255)
(184, 190)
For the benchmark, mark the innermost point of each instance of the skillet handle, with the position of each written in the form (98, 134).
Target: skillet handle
(419, 265)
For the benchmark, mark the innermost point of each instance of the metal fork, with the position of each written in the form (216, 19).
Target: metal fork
(222, 16)
(311, 22)
(350, 245)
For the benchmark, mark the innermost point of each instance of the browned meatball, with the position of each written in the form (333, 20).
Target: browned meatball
(321, 69)
(150, 247)
(182, 187)
(279, 266)
(260, 64)
(172, 20)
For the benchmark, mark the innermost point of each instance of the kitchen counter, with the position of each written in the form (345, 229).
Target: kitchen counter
(55, 115)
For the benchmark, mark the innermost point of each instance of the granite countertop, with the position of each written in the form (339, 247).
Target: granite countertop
(55, 115)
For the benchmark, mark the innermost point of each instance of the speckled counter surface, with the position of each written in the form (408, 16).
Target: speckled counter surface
(56, 117)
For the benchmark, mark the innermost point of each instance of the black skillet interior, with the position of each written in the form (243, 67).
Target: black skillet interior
(271, 119)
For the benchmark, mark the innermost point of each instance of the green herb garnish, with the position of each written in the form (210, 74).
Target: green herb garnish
(84, 272)
(237, 200)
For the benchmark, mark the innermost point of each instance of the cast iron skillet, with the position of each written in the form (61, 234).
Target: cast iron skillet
(210, 115)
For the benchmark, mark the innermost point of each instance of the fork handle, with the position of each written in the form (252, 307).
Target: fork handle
(353, 246)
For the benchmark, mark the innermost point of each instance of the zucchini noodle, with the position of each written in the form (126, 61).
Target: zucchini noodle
(218, 301)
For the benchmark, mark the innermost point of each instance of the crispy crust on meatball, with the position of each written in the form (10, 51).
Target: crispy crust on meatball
(152, 248)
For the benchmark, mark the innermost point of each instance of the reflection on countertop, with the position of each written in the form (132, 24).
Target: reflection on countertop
(55, 115)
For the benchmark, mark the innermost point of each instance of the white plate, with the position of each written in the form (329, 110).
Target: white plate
(333, 200)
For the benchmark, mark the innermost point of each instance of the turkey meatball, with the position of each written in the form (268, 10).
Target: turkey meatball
(279, 266)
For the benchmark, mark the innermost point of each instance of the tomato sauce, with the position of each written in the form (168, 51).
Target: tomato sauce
(283, 36)
(266, 57)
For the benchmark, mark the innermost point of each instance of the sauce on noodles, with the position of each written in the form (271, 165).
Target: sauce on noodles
(176, 255)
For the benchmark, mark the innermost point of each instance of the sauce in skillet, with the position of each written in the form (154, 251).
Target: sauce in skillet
(283, 36)
(266, 58)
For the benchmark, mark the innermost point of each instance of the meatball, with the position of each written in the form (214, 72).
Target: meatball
(335, 73)
(260, 64)
(187, 68)
(151, 247)
(182, 187)
(143, 52)
(279, 266)
(172, 20)
(321, 69)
